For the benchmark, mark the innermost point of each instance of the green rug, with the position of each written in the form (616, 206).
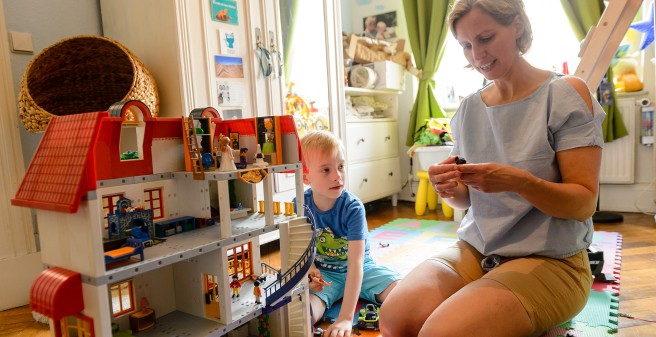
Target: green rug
(404, 243)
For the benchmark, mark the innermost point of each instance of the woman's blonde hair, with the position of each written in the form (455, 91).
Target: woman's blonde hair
(502, 11)
(319, 142)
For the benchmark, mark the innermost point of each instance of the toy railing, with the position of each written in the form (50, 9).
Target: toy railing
(267, 269)
(287, 281)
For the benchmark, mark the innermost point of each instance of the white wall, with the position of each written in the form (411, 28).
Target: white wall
(47, 22)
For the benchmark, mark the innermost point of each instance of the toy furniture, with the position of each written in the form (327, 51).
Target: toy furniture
(131, 247)
(142, 320)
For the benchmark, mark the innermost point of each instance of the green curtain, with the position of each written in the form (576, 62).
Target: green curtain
(582, 15)
(288, 15)
(427, 28)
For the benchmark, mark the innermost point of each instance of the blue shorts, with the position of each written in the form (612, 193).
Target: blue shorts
(375, 280)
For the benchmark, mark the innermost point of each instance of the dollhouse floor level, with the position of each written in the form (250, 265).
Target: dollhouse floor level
(189, 244)
(181, 324)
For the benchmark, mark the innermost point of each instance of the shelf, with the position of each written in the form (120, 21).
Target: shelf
(362, 91)
(353, 119)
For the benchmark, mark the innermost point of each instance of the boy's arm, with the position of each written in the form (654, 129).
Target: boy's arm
(353, 285)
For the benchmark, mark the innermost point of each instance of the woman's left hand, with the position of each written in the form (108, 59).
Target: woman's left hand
(491, 177)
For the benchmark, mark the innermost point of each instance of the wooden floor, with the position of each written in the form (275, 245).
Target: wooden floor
(638, 275)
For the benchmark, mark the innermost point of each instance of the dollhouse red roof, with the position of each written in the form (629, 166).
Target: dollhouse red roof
(57, 293)
(62, 170)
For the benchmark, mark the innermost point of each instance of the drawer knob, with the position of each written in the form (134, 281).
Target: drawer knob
(391, 174)
(388, 138)
(365, 180)
(361, 140)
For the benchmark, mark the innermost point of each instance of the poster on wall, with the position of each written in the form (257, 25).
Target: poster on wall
(228, 67)
(228, 42)
(230, 93)
(225, 11)
(380, 26)
(232, 114)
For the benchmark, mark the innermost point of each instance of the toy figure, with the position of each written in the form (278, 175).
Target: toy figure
(257, 292)
(269, 145)
(259, 158)
(242, 158)
(235, 285)
(227, 159)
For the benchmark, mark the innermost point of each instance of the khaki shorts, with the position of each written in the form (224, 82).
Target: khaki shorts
(552, 290)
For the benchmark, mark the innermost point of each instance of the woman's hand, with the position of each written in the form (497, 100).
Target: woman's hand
(492, 177)
(444, 177)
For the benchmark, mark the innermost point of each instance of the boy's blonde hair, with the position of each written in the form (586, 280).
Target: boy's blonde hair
(319, 142)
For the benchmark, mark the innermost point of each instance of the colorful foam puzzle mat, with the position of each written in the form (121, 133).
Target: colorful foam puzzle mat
(404, 243)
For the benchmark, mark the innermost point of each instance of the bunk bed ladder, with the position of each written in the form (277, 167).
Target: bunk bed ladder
(193, 158)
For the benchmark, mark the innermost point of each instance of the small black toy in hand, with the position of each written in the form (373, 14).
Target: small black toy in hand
(460, 161)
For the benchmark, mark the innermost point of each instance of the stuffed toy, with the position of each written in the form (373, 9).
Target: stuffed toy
(625, 71)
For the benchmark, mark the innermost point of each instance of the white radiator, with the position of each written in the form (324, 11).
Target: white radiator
(618, 159)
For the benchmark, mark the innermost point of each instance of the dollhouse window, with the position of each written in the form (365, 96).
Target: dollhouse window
(153, 201)
(239, 261)
(122, 298)
(109, 203)
(76, 326)
(132, 134)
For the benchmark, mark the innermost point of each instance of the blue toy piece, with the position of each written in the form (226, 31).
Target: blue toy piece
(242, 158)
(207, 159)
(137, 233)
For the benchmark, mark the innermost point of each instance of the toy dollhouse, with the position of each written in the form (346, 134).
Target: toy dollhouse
(138, 234)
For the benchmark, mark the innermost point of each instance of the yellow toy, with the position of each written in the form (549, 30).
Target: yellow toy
(626, 77)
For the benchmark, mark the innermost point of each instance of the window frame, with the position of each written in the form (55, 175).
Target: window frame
(122, 310)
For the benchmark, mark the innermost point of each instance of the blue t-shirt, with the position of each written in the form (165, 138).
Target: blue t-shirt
(335, 228)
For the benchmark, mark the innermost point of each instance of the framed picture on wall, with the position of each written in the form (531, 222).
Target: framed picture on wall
(380, 26)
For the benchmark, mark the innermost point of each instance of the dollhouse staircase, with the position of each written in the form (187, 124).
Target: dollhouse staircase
(299, 318)
(193, 158)
(302, 248)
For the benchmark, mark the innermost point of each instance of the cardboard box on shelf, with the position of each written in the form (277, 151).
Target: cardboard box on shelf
(390, 75)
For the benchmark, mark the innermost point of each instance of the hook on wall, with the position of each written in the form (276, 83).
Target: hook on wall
(263, 54)
(276, 51)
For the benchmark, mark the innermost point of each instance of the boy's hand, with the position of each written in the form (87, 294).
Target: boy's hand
(316, 282)
(341, 327)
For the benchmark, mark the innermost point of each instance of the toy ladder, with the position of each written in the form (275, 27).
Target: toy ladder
(192, 151)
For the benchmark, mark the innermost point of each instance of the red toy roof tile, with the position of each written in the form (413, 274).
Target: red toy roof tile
(62, 170)
(57, 293)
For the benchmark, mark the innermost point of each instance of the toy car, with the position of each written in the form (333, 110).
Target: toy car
(368, 318)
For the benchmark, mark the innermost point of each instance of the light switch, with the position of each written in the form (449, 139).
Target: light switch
(21, 42)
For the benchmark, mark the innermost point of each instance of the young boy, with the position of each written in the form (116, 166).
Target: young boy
(343, 268)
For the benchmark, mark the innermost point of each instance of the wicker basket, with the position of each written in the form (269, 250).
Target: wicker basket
(82, 74)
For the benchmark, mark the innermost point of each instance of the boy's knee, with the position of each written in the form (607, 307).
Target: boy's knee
(317, 308)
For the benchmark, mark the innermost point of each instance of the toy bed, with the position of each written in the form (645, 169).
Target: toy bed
(131, 247)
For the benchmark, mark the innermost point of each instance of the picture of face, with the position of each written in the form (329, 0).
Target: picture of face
(380, 26)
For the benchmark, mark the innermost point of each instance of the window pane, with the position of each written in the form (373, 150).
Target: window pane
(125, 296)
(305, 67)
(116, 306)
